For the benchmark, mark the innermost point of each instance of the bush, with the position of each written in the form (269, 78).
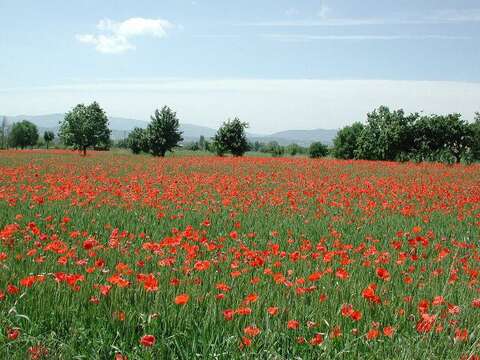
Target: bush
(23, 133)
(317, 150)
(137, 141)
(346, 141)
(231, 137)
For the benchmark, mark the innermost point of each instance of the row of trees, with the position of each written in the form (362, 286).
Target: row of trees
(163, 134)
(23, 134)
(387, 135)
(396, 136)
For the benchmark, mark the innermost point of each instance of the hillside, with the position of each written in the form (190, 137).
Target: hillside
(122, 126)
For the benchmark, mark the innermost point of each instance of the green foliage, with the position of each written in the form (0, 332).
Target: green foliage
(295, 149)
(84, 127)
(48, 136)
(392, 135)
(121, 144)
(317, 150)
(386, 135)
(444, 138)
(231, 137)
(192, 146)
(136, 141)
(163, 132)
(475, 128)
(346, 141)
(23, 134)
(202, 143)
(275, 149)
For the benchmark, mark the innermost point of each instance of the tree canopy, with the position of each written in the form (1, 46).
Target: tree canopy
(137, 141)
(393, 135)
(163, 133)
(317, 150)
(22, 134)
(346, 141)
(48, 136)
(231, 137)
(84, 127)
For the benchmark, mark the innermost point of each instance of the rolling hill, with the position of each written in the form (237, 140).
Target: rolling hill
(122, 126)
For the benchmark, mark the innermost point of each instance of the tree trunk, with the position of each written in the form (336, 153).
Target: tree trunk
(47, 145)
(84, 151)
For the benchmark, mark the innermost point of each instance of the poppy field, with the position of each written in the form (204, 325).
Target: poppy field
(116, 256)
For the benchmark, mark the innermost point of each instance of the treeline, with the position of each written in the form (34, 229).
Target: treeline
(22, 135)
(386, 135)
(396, 136)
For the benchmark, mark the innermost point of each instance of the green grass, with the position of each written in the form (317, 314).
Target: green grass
(306, 207)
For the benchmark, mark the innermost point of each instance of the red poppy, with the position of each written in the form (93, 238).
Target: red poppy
(273, 310)
(147, 340)
(251, 331)
(293, 324)
(13, 334)
(182, 299)
(317, 339)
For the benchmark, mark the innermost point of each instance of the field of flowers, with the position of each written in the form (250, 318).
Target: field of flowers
(118, 256)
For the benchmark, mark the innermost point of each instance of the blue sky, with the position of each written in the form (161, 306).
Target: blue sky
(277, 64)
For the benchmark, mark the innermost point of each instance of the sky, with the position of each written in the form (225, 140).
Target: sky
(277, 64)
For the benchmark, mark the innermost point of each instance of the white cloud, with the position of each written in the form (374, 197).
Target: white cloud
(115, 37)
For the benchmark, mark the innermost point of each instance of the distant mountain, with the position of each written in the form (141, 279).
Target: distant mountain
(300, 137)
(122, 126)
(51, 121)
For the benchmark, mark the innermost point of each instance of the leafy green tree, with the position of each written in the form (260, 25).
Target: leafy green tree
(48, 136)
(201, 143)
(274, 148)
(386, 136)
(163, 133)
(84, 127)
(136, 141)
(317, 150)
(294, 149)
(22, 134)
(4, 132)
(475, 128)
(346, 141)
(445, 138)
(231, 137)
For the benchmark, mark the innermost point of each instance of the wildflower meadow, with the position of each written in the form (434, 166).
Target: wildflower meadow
(117, 256)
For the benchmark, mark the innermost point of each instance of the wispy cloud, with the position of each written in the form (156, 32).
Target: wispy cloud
(116, 37)
(324, 10)
(307, 38)
(437, 17)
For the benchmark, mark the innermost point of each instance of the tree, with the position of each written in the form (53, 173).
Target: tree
(476, 137)
(84, 127)
(346, 141)
(48, 136)
(4, 133)
(231, 137)
(274, 148)
(201, 143)
(163, 133)
(137, 141)
(23, 134)
(317, 149)
(440, 137)
(386, 136)
(294, 149)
